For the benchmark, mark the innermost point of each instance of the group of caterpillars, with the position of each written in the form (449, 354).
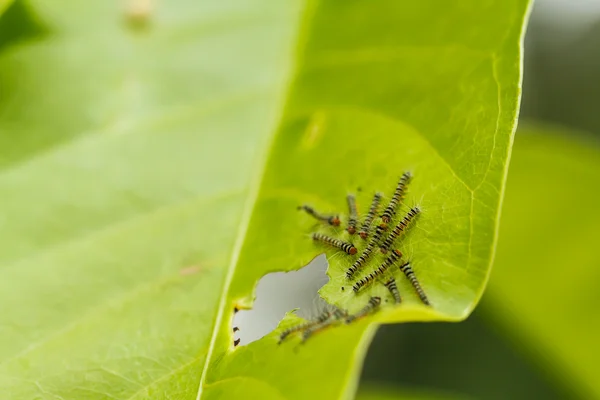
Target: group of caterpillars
(378, 239)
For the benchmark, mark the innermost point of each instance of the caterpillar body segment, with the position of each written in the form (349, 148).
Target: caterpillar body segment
(366, 226)
(353, 214)
(410, 274)
(346, 247)
(398, 229)
(391, 260)
(373, 303)
(360, 261)
(393, 288)
(334, 317)
(332, 220)
(366, 254)
(398, 196)
(324, 316)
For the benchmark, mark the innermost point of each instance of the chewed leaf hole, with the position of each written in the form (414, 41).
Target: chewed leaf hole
(276, 294)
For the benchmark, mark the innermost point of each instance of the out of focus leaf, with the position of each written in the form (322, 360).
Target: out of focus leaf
(4, 4)
(382, 392)
(545, 288)
(125, 159)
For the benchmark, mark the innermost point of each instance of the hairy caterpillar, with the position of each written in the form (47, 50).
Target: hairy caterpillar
(373, 303)
(333, 220)
(360, 261)
(395, 256)
(410, 274)
(366, 226)
(401, 227)
(399, 193)
(353, 214)
(337, 315)
(324, 316)
(348, 248)
(393, 288)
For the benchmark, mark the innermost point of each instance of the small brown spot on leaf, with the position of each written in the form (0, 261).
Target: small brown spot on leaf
(194, 269)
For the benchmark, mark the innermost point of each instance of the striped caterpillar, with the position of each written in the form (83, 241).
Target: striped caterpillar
(332, 220)
(366, 226)
(401, 227)
(399, 193)
(346, 247)
(360, 261)
(373, 303)
(395, 256)
(353, 217)
(410, 274)
(334, 317)
(393, 288)
(324, 316)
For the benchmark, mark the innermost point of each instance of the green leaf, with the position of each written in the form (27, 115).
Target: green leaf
(127, 156)
(368, 103)
(4, 4)
(545, 284)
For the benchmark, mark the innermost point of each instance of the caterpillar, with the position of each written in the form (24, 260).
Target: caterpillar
(395, 256)
(324, 316)
(337, 315)
(390, 211)
(348, 248)
(401, 227)
(366, 226)
(410, 274)
(360, 261)
(373, 303)
(332, 220)
(353, 217)
(393, 288)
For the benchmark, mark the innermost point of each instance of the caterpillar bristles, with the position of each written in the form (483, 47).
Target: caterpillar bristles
(360, 261)
(353, 214)
(373, 303)
(410, 274)
(324, 316)
(366, 226)
(399, 193)
(393, 288)
(332, 220)
(346, 247)
(398, 229)
(395, 256)
(337, 315)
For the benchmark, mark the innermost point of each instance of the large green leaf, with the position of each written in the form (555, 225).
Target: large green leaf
(380, 87)
(126, 159)
(546, 282)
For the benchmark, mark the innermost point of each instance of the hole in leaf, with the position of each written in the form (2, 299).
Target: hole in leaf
(278, 293)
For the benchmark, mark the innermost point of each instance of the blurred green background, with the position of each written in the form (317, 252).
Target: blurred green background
(535, 334)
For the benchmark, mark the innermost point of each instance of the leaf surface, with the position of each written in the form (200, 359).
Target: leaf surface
(126, 158)
(125, 161)
(371, 99)
(546, 282)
